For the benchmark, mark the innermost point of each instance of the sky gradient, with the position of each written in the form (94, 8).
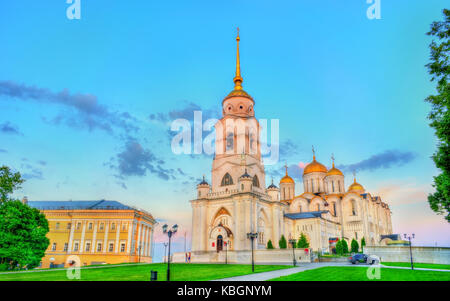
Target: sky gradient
(86, 105)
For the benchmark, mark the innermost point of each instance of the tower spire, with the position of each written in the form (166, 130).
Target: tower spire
(286, 166)
(314, 153)
(332, 159)
(238, 79)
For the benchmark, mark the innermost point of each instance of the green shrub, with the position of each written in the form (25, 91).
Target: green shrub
(302, 242)
(354, 246)
(283, 242)
(270, 245)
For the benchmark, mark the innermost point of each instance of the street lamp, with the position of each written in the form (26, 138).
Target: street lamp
(139, 248)
(165, 251)
(410, 249)
(252, 237)
(169, 233)
(226, 252)
(293, 242)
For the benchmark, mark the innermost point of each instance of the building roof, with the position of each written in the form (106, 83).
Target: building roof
(79, 205)
(305, 215)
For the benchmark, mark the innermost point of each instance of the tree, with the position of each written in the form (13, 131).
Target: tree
(339, 249)
(363, 244)
(354, 246)
(22, 235)
(270, 245)
(23, 229)
(283, 242)
(9, 182)
(439, 69)
(344, 246)
(302, 242)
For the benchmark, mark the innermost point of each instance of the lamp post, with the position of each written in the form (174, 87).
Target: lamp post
(410, 249)
(226, 252)
(165, 251)
(139, 256)
(252, 237)
(293, 242)
(169, 233)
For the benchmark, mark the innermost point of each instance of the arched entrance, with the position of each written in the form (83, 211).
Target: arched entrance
(219, 243)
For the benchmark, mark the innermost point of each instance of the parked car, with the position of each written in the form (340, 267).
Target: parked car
(363, 258)
(358, 258)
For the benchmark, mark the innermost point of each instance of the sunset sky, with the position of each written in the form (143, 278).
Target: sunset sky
(86, 105)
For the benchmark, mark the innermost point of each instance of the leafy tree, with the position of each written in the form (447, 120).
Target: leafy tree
(9, 182)
(339, 249)
(270, 245)
(354, 246)
(363, 244)
(22, 228)
(283, 242)
(439, 69)
(22, 235)
(302, 242)
(344, 246)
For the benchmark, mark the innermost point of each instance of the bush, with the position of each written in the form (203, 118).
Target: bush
(270, 245)
(302, 242)
(344, 246)
(363, 244)
(354, 246)
(283, 242)
(339, 249)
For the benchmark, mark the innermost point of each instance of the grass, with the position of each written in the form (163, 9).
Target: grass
(418, 265)
(178, 272)
(360, 274)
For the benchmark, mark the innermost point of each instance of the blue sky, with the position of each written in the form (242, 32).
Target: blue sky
(76, 96)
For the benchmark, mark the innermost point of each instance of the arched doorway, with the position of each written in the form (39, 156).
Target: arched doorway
(219, 243)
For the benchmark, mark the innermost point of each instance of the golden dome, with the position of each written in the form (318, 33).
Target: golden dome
(314, 166)
(334, 171)
(287, 178)
(238, 91)
(356, 186)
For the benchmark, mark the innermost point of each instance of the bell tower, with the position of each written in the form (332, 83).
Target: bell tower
(237, 134)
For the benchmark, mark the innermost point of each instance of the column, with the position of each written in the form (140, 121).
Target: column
(83, 231)
(130, 230)
(94, 237)
(139, 225)
(116, 246)
(105, 240)
(72, 229)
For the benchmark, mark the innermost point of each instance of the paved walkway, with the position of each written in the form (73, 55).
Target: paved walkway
(309, 266)
(284, 272)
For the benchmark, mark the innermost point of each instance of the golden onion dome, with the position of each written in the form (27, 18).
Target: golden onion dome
(314, 166)
(356, 187)
(238, 91)
(334, 171)
(287, 178)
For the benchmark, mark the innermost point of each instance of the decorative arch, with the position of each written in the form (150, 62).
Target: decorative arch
(227, 180)
(222, 211)
(317, 204)
(256, 181)
(299, 205)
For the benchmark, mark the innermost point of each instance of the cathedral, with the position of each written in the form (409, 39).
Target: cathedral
(237, 203)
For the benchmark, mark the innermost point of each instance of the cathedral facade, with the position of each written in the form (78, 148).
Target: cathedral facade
(237, 203)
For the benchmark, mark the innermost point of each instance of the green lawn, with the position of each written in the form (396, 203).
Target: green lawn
(360, 274)
(178, 272)
(418, 265)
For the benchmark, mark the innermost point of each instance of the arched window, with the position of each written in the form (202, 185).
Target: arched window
(230, 141)
(300, 208)
(332, 184)
(227, 180)
(339, 185)
(318, 207)
(353, 207)
(334, 209)
(255, 181)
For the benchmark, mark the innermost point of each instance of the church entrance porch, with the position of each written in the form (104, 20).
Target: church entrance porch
(219, 243)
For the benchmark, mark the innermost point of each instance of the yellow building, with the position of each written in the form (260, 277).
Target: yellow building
(97, 232)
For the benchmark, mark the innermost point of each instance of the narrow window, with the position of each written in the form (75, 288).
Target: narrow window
(57, 226)
(227, 180)
(122, 247)
(99, 247)
(75, 247)
(111, 247)
(54, 246)
(88, 247)
(66, 247)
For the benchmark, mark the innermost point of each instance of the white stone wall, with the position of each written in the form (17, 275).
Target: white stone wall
(401, 254)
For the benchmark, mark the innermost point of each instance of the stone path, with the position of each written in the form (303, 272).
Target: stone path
(308, 266)
(284, 272)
